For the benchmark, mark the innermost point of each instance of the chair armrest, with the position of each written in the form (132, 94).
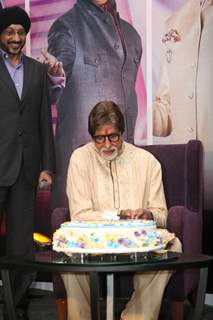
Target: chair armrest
(59, 215)
(187, 226)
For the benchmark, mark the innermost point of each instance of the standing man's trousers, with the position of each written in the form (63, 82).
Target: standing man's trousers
(18, 201)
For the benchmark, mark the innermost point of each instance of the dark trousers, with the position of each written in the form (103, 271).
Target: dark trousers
(17, 201)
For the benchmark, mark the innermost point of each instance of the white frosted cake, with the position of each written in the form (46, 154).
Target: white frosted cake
(107, 237)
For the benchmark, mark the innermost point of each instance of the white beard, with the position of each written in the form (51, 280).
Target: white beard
(111, 156)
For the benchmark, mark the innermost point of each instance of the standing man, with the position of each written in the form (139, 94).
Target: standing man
(100, 54)
(26, 140)
(183, 104)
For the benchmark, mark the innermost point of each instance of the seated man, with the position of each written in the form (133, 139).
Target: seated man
(109, 174)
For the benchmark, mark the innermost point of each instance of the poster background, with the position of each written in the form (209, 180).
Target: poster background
(147, 16)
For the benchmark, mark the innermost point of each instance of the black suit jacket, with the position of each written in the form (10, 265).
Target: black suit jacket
(25, 124)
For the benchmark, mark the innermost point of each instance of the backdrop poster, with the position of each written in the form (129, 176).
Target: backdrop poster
(44, 12)
(147, 16)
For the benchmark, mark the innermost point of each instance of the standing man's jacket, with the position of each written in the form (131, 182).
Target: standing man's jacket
(25, 126)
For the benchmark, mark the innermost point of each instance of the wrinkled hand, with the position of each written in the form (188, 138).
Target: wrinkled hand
(44, 175)
(127, 214)
(136, 214)
(143, 214)
(55, 67)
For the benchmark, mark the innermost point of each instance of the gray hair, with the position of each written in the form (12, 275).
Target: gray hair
(103, 113)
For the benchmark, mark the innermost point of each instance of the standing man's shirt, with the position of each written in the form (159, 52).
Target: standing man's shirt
(16, 72)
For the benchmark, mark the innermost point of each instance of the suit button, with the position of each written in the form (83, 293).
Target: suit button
(116, 46)
(191, 95)
(20, 132)
(190, 130)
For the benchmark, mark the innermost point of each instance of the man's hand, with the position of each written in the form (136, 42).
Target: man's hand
(142, 214)
(44, 175)
(55, 67)
(127, 214)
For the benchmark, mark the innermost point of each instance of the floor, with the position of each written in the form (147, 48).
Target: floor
(42, 307)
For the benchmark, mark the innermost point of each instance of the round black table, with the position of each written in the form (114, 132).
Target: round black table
(108, 264)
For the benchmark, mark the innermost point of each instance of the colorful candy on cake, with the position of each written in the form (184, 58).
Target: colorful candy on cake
(107, 237)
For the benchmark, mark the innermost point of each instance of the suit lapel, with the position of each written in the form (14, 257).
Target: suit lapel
(6, 78)
(28, 72)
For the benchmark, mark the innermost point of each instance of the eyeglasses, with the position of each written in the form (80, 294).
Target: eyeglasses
(113, 137)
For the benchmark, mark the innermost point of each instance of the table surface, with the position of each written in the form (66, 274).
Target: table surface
(52, 261)
(49, 261)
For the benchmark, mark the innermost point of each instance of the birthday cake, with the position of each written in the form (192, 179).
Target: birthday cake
(120, 236)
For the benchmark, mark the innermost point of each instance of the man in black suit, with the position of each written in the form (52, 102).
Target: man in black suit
(26, 139)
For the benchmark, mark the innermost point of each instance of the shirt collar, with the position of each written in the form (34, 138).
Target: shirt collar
(109, 6)
(5, 56)
(2, 53)
(203, 2)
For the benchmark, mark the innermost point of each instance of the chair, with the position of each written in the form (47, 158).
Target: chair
(182, 170)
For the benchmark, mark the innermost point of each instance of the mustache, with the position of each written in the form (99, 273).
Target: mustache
(14, 42)
(108, 149)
